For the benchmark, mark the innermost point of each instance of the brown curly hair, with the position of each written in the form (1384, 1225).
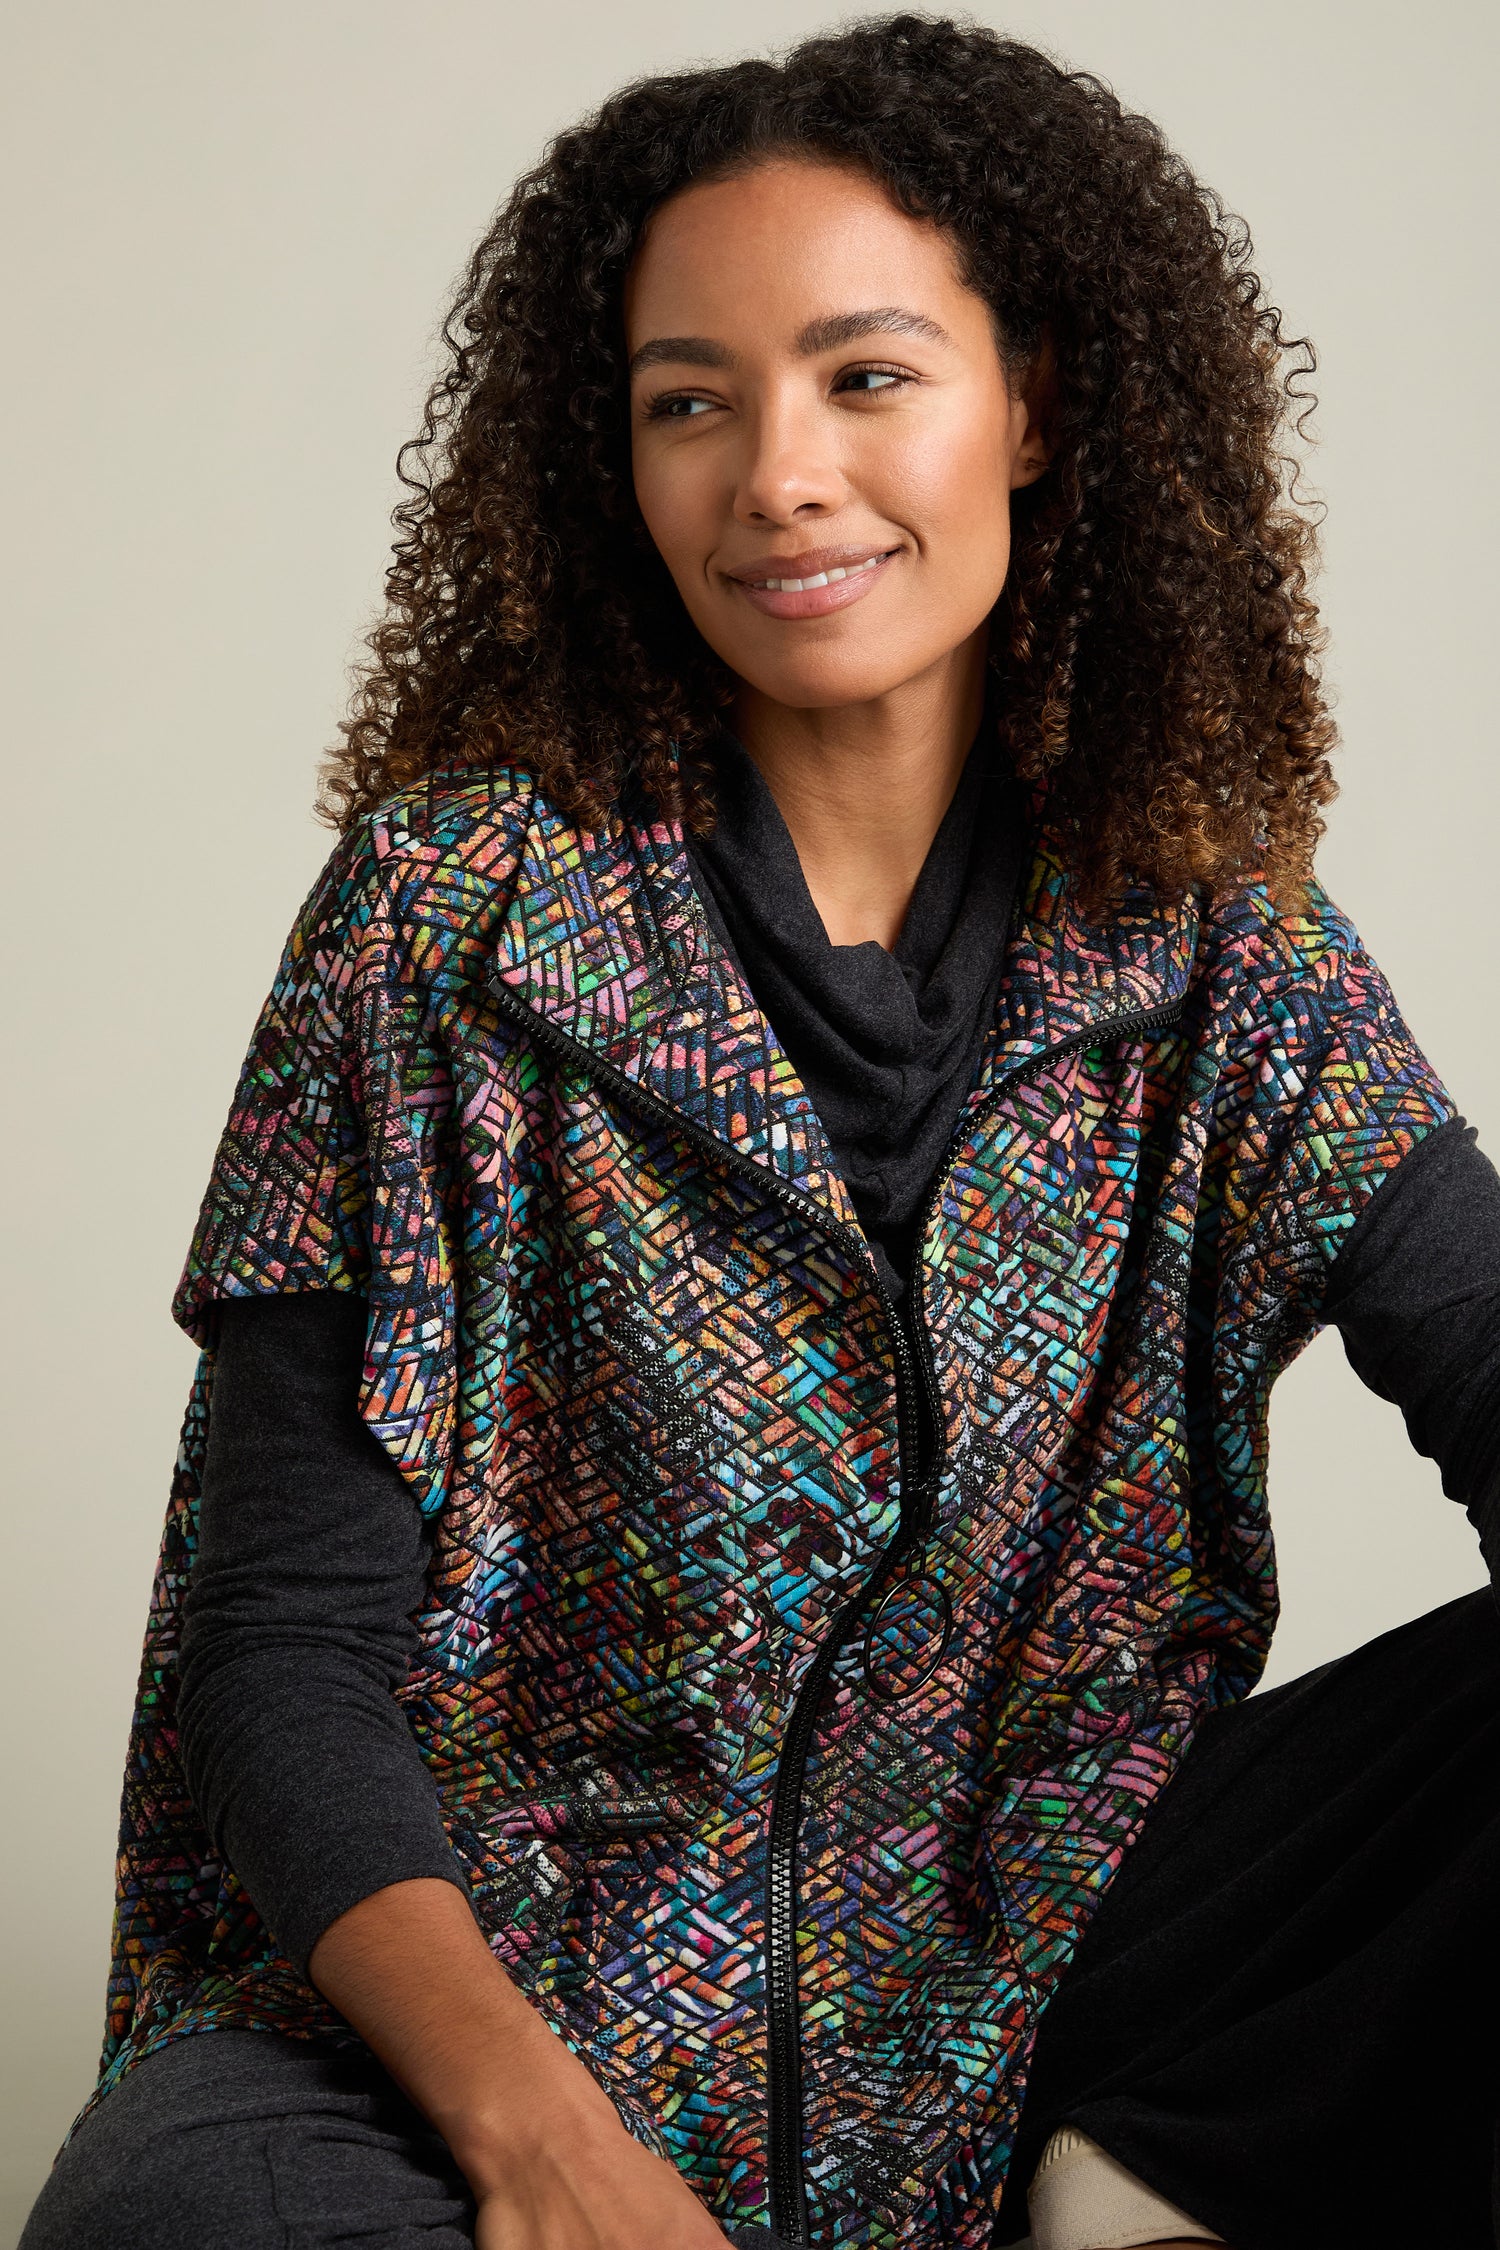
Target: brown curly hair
(1155, 643)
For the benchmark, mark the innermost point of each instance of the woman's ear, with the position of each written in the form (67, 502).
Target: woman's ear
(1037, 401)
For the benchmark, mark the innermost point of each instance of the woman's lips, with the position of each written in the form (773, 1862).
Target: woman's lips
(817, 601)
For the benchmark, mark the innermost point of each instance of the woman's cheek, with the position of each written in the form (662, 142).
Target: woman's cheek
(949, 487)
(654, 498)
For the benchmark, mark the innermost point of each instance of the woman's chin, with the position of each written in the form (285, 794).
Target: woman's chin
(831, 683)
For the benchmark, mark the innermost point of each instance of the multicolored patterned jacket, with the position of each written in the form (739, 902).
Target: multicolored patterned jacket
(792, 1686)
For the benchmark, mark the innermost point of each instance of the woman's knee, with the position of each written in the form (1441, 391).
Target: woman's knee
(242, 2141)
(203, 2188)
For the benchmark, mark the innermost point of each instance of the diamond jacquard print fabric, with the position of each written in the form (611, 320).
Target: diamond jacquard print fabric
(786, 1768)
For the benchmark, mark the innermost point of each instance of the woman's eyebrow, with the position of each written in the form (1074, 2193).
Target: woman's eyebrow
(822, 335)
(846, 328)
(693, 351)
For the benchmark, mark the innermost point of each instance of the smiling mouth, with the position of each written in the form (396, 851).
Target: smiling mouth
(827, 582)
(816, 578)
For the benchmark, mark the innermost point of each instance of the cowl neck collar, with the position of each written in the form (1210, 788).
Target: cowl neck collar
(885, 1043)
(883, 1011)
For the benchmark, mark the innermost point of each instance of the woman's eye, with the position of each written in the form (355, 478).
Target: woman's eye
(873, 379)
(676, 407)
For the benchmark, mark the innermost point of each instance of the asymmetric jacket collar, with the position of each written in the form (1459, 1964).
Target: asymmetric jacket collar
(605, 939)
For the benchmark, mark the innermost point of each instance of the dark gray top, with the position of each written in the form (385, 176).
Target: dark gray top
(885, 1043)
(297, 1627)
(312, 1555)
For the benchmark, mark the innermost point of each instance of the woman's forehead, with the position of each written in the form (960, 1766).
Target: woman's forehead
(799, 241)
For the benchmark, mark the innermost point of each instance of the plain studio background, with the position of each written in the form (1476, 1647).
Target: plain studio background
(234, 229)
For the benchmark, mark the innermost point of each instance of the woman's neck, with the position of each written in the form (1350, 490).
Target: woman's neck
(863, 787)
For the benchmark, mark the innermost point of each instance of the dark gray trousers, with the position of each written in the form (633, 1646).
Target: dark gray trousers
(244, 2140)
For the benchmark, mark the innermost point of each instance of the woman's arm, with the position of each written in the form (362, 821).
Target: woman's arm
(297, 1629)
(541, 2145)
(1415, 1294)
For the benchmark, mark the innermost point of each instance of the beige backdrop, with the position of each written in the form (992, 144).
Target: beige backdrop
(234, 229)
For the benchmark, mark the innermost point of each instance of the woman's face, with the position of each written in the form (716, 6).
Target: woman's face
(817, 397)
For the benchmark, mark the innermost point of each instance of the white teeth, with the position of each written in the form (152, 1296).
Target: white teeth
(824, 578)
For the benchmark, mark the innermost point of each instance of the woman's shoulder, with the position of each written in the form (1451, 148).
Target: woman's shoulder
(462, 821)
(1279, 943)
(1306, 1016)
(420, 874)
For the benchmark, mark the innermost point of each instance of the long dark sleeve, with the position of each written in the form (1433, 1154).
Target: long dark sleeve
(1415, 1294)
(297, 1628)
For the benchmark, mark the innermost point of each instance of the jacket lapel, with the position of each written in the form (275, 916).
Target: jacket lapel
(1064, 974)
(607, 940)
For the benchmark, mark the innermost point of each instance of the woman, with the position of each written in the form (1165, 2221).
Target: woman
(725, 1496)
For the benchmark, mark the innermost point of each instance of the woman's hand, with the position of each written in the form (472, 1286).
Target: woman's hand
(537, 2138)
(554, 2168)
(612, 2196)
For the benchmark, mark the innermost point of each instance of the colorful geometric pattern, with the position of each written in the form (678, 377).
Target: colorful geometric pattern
(652, 1409)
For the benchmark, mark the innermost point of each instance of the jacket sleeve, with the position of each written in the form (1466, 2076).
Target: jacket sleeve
(331, 1172)
(325, 1433)
(335, 1183)
(288, 1199)
(1321, 1093)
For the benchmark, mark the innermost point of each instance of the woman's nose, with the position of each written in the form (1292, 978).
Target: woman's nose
(788, 468)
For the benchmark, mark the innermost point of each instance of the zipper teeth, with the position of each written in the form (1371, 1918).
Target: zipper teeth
(788, 2195)
(787, 2184)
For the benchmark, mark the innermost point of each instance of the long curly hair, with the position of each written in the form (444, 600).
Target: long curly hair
(1155, 643)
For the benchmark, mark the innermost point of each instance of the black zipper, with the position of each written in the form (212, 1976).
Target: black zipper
(918, 1413)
